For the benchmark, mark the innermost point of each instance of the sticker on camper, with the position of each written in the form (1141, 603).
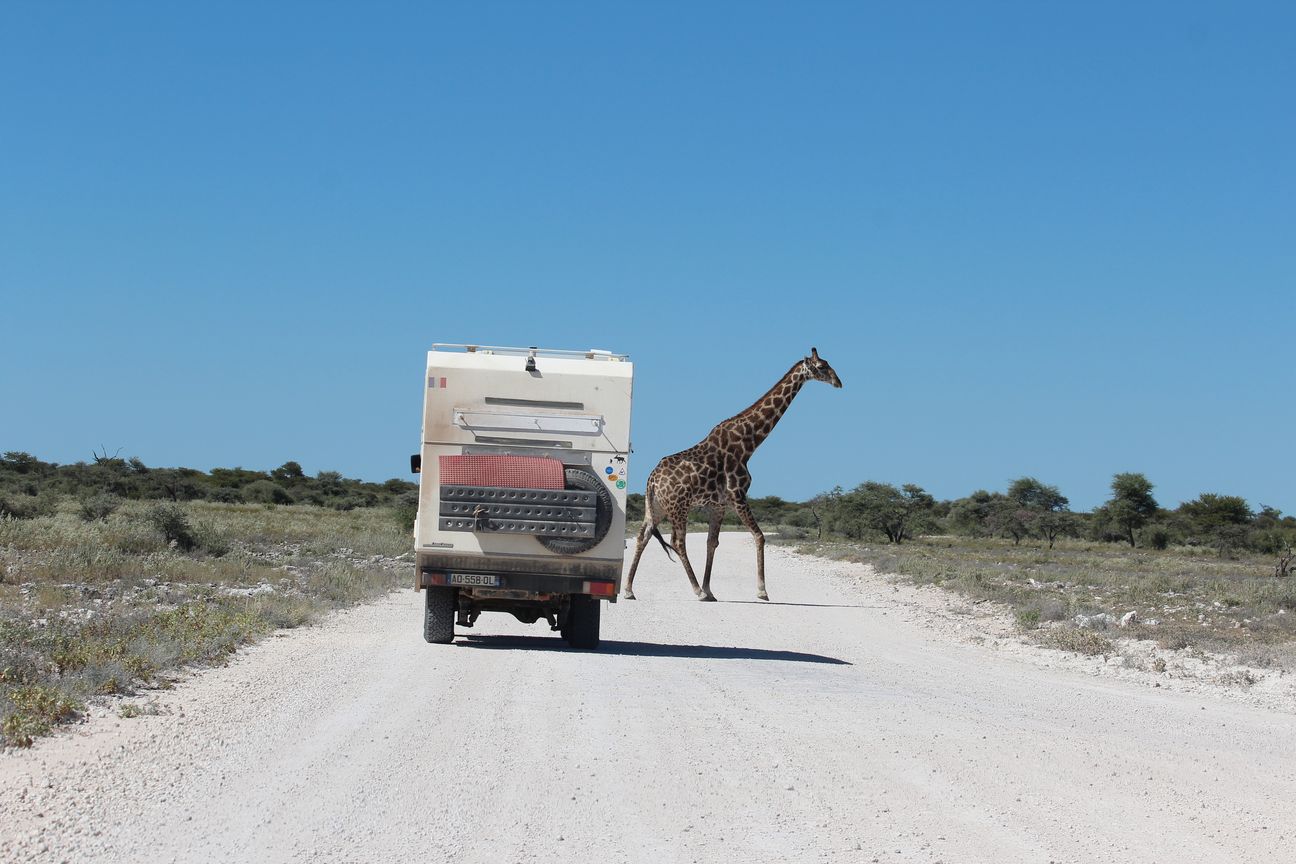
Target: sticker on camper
(435, 383)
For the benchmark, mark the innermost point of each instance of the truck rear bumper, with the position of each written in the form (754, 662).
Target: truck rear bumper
(533, 575)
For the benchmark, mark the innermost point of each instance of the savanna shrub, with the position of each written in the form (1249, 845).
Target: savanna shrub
(1272, 541)
(1157, 538)
(266, 492)
(225, 495)
(174, 526)
(97, 508)
(28, 506)
(406, 510)
(208, 538)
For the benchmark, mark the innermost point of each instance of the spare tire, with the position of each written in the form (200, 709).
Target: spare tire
(579, 478)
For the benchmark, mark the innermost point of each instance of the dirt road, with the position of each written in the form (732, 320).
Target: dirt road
(828, 725)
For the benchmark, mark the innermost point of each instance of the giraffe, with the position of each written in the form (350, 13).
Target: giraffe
(712, 475)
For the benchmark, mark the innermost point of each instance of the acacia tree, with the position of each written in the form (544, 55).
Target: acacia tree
(1057, 523)
(822, 508)
(1034, 495)
(1130, 506)
(897, 513)
(289, 472)
(973, 515)
(1009, 518)
(1209, 511)
(1221, 520)
(1035, 507)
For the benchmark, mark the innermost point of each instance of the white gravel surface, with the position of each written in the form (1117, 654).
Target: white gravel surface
(848, 720)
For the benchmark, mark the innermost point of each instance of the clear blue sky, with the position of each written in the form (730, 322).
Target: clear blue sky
(1033, 238)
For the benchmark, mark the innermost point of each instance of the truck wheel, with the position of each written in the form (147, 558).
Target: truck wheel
(438, 614)
(582, 630)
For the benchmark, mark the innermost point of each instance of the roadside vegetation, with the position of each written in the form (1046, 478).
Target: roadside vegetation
(109, 583)
(1028, 511)
(1212, 574)
(1076, 594)
(30, 487)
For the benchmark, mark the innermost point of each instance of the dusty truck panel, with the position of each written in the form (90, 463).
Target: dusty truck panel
(523, 472)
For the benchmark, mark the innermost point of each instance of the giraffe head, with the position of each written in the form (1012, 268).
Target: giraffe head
(818, 369)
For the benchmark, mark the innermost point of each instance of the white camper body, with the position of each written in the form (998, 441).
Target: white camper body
(523, 470)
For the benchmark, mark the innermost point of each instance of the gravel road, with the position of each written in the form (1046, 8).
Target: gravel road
(833, 724)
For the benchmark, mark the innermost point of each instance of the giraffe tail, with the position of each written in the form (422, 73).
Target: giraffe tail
(650, 517)
(662, 541)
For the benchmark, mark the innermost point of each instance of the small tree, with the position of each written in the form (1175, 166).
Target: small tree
(18, 462)
(819, 509)
(1009, 518)
(1034, 495)
(172, 523)
(176, 484)
(1130, 506)
(97, 508)
(1283, 568)
(1032, 507)
(1054, 524)
(975, 514)
(1221, 520)
(288, 472)
(266, 492)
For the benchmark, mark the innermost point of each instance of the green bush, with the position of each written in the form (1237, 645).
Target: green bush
(174, 526)
(1028, 619)
(266, 492)
(29, 710)
(225, 495)
(28, 506)
(1157, 537)
(97, 508)
(1272, 541)
(210, 540)
(406, 510)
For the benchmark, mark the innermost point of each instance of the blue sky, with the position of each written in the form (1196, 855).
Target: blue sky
(1045, 239)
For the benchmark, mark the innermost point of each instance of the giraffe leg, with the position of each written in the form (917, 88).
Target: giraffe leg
(713, 540)
(679, 530)
(745, 514)
(640, 543)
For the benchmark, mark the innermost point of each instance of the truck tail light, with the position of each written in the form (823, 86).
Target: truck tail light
(600, 589)
(432, 577)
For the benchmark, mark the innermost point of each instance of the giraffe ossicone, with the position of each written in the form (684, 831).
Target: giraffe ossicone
(712, 475)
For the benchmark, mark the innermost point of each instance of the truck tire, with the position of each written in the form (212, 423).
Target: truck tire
(582, 630)
(579, 478)
(438, 614)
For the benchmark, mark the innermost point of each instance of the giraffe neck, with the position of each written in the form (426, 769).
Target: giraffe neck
(747, 430)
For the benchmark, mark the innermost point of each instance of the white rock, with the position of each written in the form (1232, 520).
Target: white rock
(1101, 621)
(1130, 617)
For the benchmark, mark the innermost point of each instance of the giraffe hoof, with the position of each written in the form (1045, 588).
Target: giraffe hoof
(761, 595)
(629, 595)
(707, 598)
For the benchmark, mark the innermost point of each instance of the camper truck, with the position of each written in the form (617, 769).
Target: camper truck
(522, 487)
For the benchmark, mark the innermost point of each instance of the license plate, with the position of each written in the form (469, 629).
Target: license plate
(484, 579)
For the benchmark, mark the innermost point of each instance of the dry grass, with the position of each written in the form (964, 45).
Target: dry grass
(1078, 640)
(89, 609)
(1182, 597)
